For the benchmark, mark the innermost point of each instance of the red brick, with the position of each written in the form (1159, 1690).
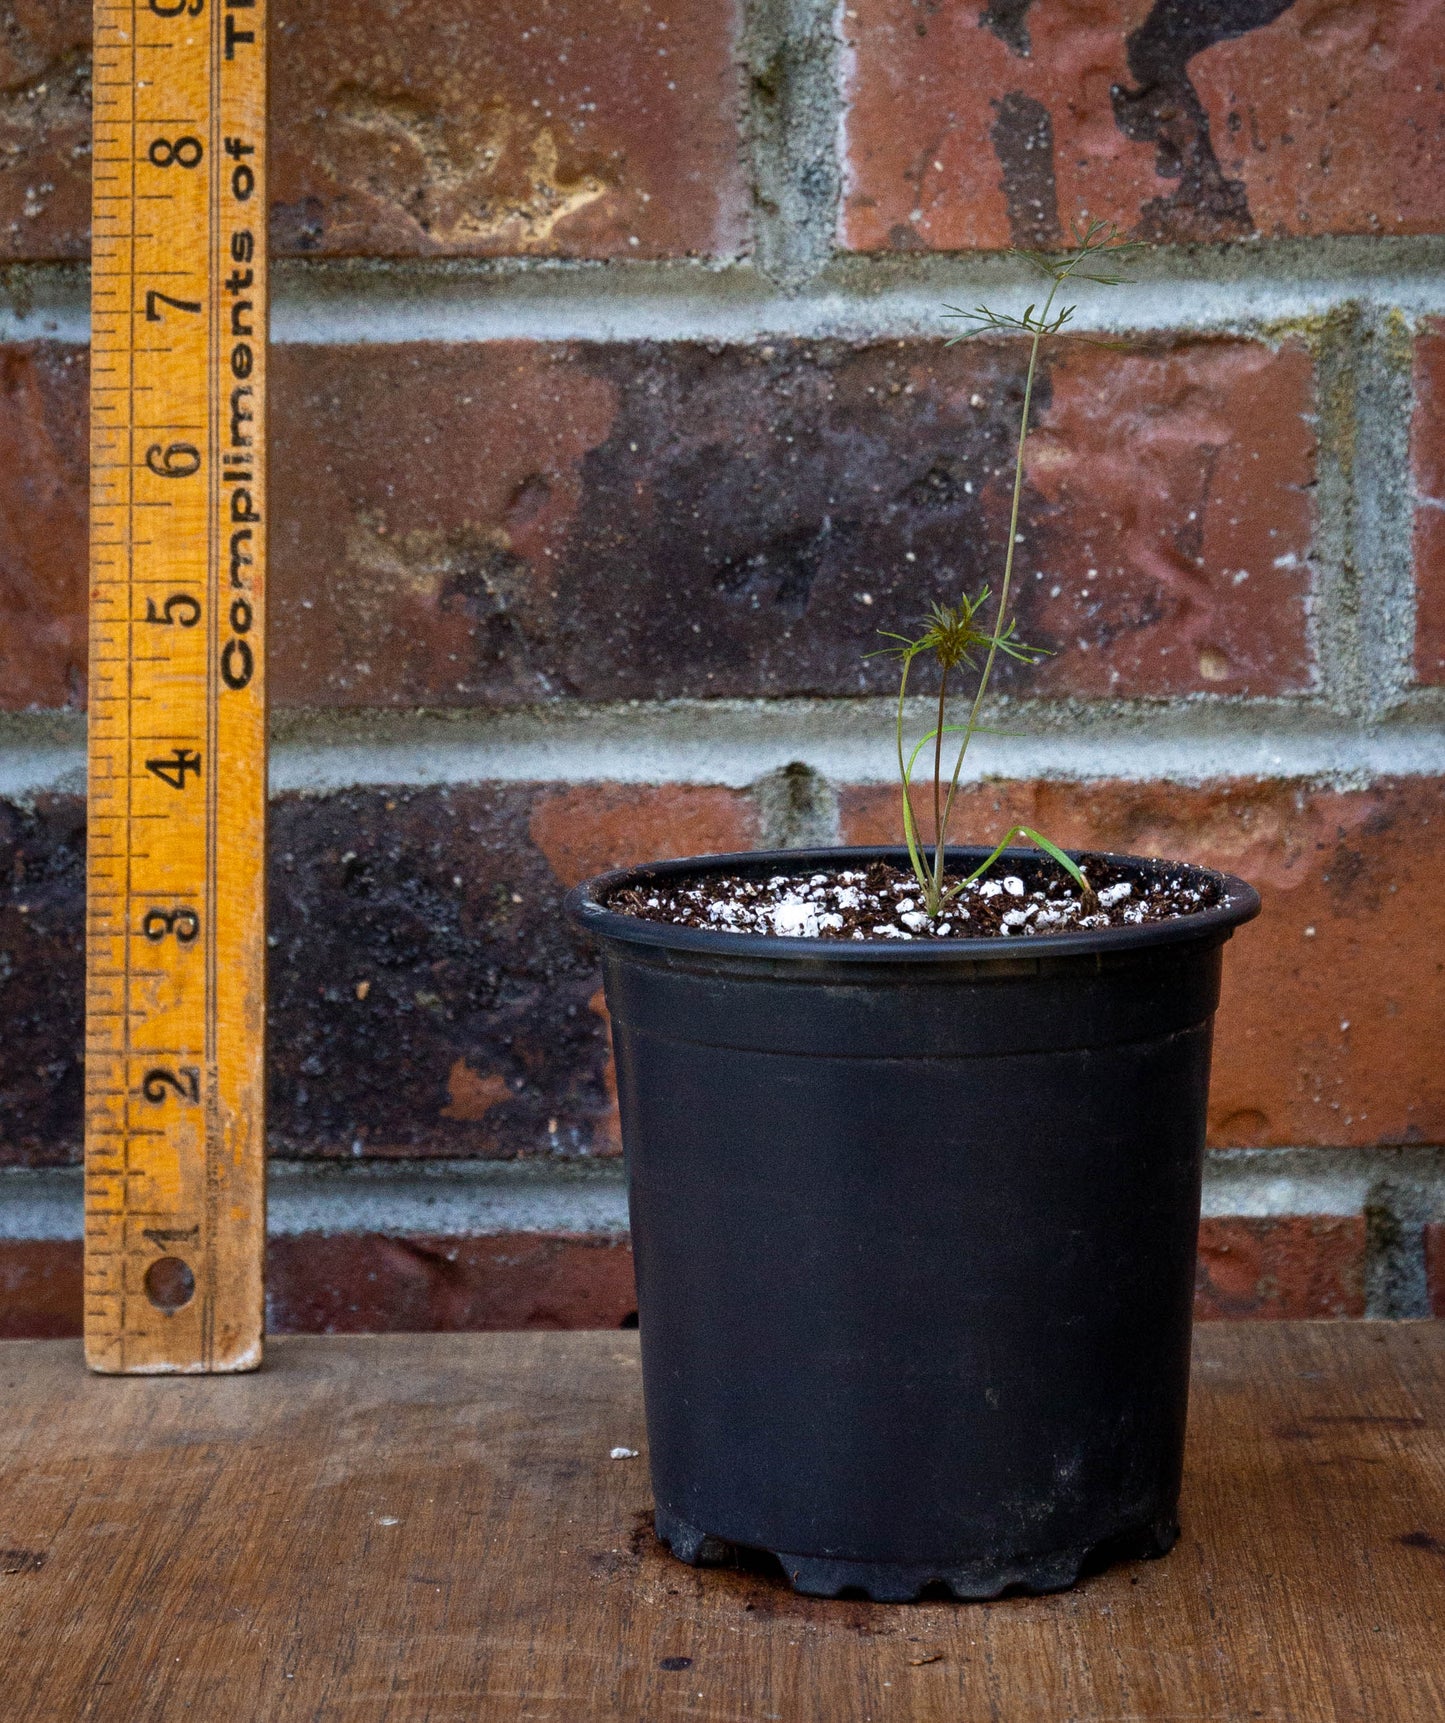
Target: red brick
(1295, 1266)
(367, 1283)
(41, 1288)
(555, 127)
(667, 521)
(1316, 117)
(1427, 447)
(44, 477)
(589, 828)
(1328, 1032)
(443, 128)
(1291, 1267)
(1435, 1266)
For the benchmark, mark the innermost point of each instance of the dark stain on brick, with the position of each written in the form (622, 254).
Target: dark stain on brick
(1009, 21)
(793, 500)
(1164, 109)
(426, 993)
(1022, 135)
(42, 979)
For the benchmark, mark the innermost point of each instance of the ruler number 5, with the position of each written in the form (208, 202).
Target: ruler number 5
(180, 609)
(186, 1083)
(164, 11)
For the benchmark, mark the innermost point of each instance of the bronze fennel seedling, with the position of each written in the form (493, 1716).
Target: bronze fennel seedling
(954, 635)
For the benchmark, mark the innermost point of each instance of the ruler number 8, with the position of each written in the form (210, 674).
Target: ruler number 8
(157, 923)
(158, 1080)
(182, 153)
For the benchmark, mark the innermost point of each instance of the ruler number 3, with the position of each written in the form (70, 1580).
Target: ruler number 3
(156, 924)
(159, 1080)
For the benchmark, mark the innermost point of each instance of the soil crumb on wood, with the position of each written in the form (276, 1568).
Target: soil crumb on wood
(1019, 898)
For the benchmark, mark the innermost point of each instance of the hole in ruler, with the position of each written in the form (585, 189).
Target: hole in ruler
(169, 1283)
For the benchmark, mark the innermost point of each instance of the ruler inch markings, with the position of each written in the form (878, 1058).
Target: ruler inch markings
(175, 984)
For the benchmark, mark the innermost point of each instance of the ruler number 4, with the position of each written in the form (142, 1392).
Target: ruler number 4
(171, 769)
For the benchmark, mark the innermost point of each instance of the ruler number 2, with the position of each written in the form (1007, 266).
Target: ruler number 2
(159, 1080)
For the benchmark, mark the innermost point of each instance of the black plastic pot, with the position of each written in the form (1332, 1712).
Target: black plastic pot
(914, 1227)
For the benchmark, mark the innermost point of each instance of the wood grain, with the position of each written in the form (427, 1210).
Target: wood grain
(415, 1528)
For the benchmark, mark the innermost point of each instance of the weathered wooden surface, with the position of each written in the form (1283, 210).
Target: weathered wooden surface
(422, 1527)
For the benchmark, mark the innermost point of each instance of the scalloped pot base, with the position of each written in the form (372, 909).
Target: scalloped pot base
(905, 1582)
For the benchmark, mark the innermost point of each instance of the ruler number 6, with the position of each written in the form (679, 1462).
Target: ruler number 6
(157, 923)
(181, 152)
(186, 1083)
(175, 461)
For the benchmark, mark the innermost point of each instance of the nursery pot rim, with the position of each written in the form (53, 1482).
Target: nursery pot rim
(1239, 903)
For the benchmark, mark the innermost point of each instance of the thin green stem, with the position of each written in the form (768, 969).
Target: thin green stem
(1008, 567)
(905, 776)
(938, 763)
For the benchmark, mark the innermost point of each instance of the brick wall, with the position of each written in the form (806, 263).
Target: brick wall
(611, 420)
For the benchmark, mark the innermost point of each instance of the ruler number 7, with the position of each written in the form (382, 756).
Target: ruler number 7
(154, 299)
(159, 1080)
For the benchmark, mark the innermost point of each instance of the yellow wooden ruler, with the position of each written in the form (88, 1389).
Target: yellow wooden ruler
(175, 982)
